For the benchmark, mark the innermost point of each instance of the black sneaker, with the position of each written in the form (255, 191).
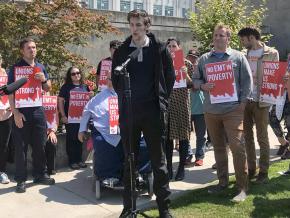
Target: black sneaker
(51, 172)
(74, 166)
(20, 187)
(286, 155)
(165, 214)
(82, 165)
(282, 148)
(126, 213)
(45, 180)
(180, 174)
(262, 178)
(216, 189)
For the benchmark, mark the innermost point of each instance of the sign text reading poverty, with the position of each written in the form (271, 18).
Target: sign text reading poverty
(49, 104)
(222, 75)
(106, 67)
(77, 102)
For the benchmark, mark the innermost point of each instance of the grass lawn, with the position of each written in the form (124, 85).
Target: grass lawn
(267, 200)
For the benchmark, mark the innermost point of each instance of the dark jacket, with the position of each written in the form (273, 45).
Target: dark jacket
(163, 67)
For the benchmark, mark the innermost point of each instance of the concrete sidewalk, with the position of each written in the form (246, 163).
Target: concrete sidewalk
(72, 195)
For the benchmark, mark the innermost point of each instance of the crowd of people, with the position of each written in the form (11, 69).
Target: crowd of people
(160, 112)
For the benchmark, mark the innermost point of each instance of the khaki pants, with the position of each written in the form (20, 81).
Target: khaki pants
(260, 116)
(232, 124)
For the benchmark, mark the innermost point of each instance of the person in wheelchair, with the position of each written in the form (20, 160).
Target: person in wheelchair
(106, 141)
(106, 146)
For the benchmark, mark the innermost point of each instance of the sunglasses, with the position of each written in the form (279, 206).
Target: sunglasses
(76, 73)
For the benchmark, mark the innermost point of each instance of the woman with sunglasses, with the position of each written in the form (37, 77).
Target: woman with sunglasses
(73, 82)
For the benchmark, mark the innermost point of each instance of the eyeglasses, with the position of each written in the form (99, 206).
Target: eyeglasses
(109, 79)
(75, 73)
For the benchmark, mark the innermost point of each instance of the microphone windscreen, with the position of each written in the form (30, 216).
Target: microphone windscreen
(11, 88)
(135, 53)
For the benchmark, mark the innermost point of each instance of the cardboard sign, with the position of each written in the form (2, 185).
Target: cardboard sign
(113, 114)
(4, 101)
(49, 104)
(222, 75)
(30, 94)
(106, 67)
(178, 63)
(77, 102)
(272, 84)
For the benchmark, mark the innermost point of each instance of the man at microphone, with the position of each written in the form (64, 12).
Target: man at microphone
(30, 123)
(152, 78)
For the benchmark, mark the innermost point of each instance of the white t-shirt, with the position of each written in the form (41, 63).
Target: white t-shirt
(253, 57)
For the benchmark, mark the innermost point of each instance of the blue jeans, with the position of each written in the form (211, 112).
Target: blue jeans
(200, 131)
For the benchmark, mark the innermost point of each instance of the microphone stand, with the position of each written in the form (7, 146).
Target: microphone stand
(130, 154)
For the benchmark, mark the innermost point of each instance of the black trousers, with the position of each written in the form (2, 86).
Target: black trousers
(50, 152)
(146, 118)
(34, 133)
(74, 147)
(5, 133)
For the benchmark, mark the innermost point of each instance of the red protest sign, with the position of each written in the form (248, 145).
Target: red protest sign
(29, 95)
(178, 63)
(4, 102)
(222, 75)
(272, 83)
(49, 104)
(113, 114)
(77, 102)
(106, 67)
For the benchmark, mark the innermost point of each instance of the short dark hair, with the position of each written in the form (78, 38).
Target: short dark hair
(193, 52)
(173, 39)
(139, 13)
(250, 31)
(24, 41)
(68, 79)
(115, 44)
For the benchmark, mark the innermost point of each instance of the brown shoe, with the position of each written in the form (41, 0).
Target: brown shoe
(282, 149)
(252, 174)
(262, 178)
(285, 155)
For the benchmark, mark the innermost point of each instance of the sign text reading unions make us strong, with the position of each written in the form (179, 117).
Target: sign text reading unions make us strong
(222, 71)
(270, 68)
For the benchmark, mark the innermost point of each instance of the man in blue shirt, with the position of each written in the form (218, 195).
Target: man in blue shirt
(226, 117)
(30, 123)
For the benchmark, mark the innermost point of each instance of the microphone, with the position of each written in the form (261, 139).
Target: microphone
(11, 88)
(119, 69)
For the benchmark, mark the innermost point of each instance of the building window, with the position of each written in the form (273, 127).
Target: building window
(169, 11)
(138, 5)
(91, 3)
(185, 12)
(125, 6)
(157, 10)
(103, 4)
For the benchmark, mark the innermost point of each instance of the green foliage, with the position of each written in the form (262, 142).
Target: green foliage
(236, 14)
(266, 200)
(56, 27)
